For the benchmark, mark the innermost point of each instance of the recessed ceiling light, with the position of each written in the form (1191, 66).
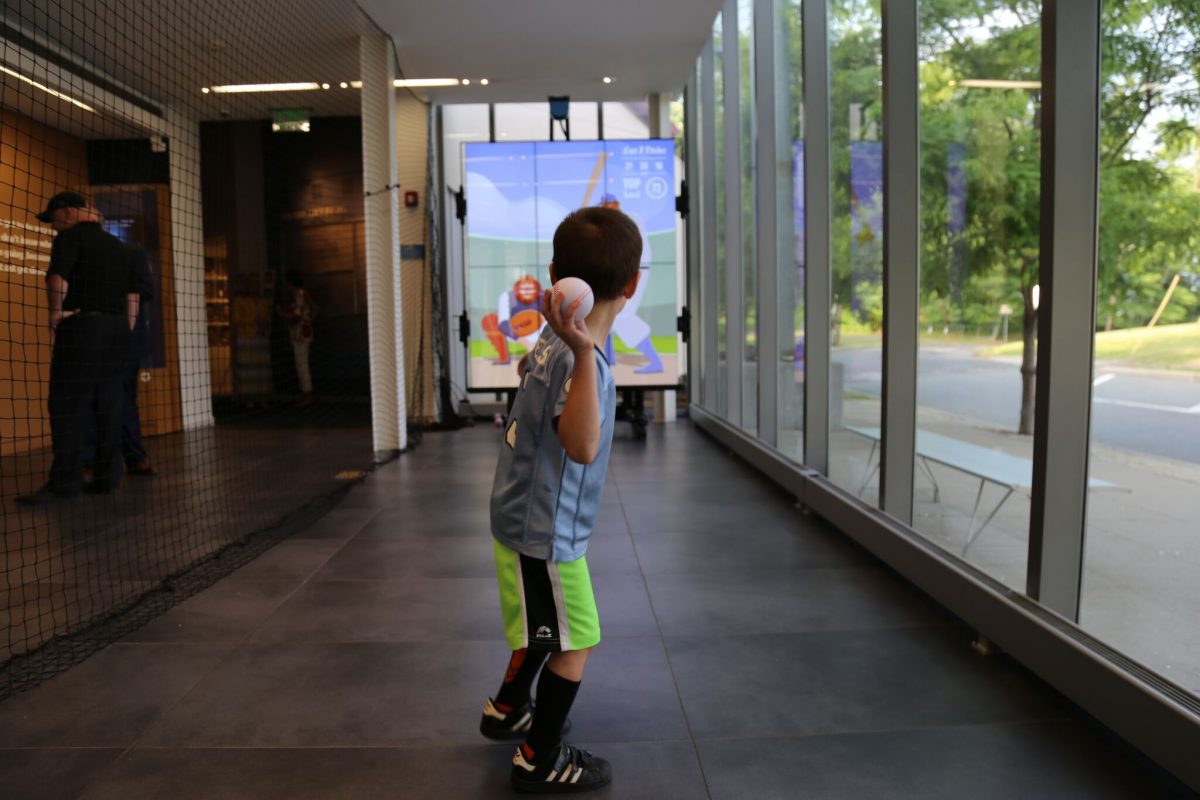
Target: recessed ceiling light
(206, 90)
(324, 85)
(483, 81)
(466, 81)
(607, 79)
(47, 89)
(425, 82)
(246, 88)
(344, 85)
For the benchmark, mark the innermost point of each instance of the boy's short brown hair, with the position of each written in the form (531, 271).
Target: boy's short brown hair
(602, 246)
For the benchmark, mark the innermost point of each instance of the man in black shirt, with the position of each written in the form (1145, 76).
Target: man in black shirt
(92, 300)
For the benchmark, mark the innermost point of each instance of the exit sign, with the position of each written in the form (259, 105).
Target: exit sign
(291, 120)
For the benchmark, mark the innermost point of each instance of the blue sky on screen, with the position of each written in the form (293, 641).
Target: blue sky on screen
(523, 190)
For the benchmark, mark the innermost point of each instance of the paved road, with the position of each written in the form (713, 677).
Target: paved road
(1154, 416)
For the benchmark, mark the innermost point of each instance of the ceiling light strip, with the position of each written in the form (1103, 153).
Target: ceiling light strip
(248, 88)
(46, 89)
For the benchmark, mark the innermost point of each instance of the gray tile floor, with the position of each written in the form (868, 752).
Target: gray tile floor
(749, 652)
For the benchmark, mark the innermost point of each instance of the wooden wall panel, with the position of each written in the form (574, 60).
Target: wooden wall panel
(35, 162)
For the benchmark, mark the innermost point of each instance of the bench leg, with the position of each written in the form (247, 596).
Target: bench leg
(973, 532)
(872, 468)
(929, 471)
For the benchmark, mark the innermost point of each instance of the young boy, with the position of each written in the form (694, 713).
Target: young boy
(544, 502)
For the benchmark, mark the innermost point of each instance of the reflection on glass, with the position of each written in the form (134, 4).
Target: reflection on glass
(585, 122)
(856, 155)
(980, 172)
(790, 231)
(719, 187)
(749, 264)
(522, 122)
(1141, 579)
(627, 120)
(466, 122)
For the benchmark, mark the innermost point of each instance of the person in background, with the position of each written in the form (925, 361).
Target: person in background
(92, 304)
(137, 461)
(299, 314)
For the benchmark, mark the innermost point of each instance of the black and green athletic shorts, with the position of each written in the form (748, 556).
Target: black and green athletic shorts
(546, 605)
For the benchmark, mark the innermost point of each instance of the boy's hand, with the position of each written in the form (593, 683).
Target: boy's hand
(574, 332)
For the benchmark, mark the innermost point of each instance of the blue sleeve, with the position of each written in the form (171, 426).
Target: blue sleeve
(560, 381)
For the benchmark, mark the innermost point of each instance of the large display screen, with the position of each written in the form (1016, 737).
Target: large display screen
(517, 193)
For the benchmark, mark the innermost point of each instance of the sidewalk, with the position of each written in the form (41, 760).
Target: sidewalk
(1141, 583)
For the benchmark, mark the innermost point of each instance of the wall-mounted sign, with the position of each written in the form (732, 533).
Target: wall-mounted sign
(291, 120)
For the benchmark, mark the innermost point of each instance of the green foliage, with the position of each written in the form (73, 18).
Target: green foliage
(1149, 200)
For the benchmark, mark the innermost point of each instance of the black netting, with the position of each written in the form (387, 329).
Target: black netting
(226, 228)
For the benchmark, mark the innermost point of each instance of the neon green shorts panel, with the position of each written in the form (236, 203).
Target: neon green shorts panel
(546, 605)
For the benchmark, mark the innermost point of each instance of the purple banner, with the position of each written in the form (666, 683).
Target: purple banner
(866, 213)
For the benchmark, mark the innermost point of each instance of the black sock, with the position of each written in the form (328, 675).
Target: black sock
(518, 680)
(555, 695)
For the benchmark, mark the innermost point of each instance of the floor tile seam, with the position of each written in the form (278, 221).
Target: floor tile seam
(354, 579)
(706, 571)
(902, 729)
(666, 651)
(414, 745)
(837, 629)
(332, 642)
(35, 748)
(810, 633)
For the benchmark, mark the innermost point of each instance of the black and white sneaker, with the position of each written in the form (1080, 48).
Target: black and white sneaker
(505, 726)
(571, 770)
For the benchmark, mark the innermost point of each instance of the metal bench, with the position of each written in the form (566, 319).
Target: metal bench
(1009, 472)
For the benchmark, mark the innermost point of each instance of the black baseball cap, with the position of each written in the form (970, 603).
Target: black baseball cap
(62, 200)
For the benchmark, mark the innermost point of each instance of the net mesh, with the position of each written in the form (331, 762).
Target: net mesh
(206, 389)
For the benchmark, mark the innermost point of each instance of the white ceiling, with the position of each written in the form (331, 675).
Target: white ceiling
(530, 49)
(165, 51)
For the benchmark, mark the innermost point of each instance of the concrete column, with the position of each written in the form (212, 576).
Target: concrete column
(381, 224)
(187, 264)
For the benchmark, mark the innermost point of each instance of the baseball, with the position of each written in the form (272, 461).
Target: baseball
(573, 289)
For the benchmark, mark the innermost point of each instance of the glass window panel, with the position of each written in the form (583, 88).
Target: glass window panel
(1141, 576)
(627, 119)
(522, 122)
(749, 264)
(980, 173)
(856, 175)
(466, 122)
(585, 121)
(718, 184)
(789, 69)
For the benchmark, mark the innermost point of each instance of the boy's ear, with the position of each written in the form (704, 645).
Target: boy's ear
(631, 287)
(553, 274)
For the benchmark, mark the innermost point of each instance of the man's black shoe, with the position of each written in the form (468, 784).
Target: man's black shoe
(43, 497)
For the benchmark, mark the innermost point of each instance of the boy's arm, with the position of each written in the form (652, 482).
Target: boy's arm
(579, 424)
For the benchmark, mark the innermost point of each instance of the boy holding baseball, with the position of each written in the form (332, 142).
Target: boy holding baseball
(544, 503)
